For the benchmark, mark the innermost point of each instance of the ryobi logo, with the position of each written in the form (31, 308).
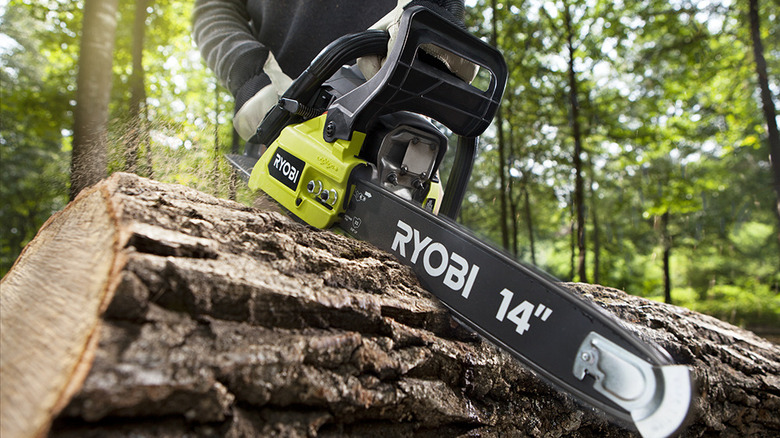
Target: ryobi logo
(286, 168)
(459, 275)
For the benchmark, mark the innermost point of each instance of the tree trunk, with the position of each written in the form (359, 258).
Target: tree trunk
(666, 247)
(215, 176)
(510, 192)
(89, 162)
(594, 213)
(502, 192)
(137, 127)
(513, 217)
(529, 220)
(235, 147)
(572, 238)
(152, 310)
(768, 105)
(579, 184)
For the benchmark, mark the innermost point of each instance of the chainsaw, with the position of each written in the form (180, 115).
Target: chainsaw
(366, 156)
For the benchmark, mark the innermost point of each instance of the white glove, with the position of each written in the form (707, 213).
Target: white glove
(370, 65)
(248, 118)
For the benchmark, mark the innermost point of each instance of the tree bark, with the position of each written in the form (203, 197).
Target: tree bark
(89, 161)
(152, 310)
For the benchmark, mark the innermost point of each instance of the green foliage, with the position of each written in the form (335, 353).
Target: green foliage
(39, 52)
(34, 157)
(755, 306)
(672, 126)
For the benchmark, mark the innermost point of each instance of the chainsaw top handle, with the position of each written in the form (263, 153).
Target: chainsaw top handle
(409, 81)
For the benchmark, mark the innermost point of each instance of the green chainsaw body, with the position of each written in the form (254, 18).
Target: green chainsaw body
(313, 190)
(311, 177)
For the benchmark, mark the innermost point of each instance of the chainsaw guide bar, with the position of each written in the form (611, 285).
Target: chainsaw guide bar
(571, 342)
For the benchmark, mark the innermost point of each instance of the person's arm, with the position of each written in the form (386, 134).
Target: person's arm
(224, 36)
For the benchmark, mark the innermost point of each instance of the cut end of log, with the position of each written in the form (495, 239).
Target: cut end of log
(51, 306)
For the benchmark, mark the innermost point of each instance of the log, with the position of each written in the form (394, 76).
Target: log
(153, 310)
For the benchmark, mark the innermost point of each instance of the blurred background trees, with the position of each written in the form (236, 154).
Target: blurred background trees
(633, 148)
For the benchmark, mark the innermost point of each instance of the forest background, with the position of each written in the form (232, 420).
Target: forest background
(632, 148)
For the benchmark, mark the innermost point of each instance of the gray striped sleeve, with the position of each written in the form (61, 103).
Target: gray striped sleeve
(224, 36)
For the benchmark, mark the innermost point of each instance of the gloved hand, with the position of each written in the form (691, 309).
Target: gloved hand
(251, 113)
(452, 9)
